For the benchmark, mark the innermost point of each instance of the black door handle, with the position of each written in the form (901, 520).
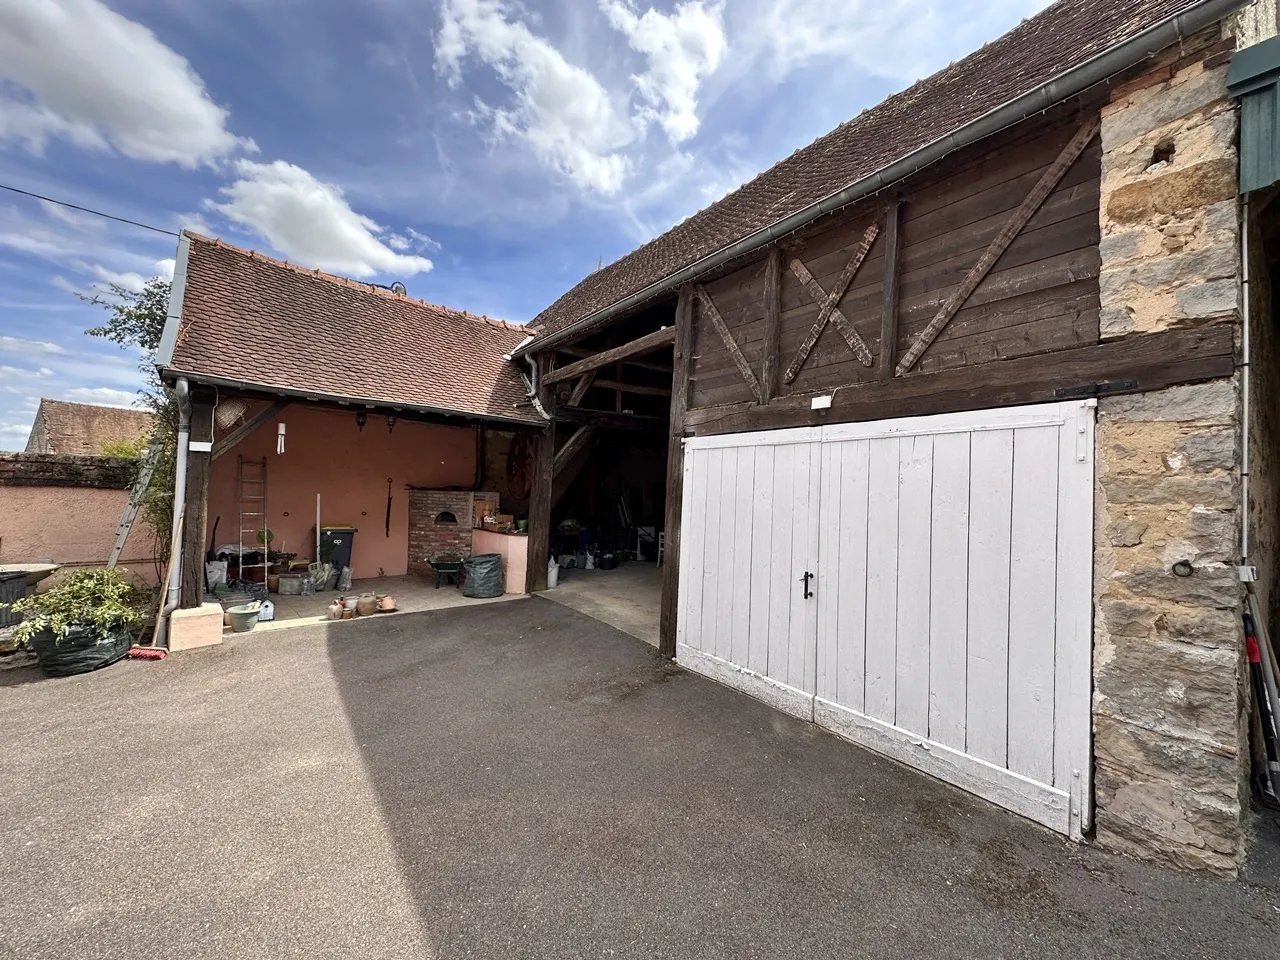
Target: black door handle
(805, 580)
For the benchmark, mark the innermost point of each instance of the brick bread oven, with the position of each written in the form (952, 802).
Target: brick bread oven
(431, 531)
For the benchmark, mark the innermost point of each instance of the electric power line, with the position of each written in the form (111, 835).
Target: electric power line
(96, 213)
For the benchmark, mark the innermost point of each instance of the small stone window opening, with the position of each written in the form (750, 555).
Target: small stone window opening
(445, 517)
(1163, 153)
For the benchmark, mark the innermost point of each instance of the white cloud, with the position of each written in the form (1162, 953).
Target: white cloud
(164, 269)
(106, 396)
(562, 111)
(681, 48)
(133, 282)
(310, 221)
(77, 70)
(29, 347)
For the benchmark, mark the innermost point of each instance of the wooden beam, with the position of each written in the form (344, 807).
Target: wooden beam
(1133, 364)
(673, 505)
(580, 388)
(543, 482)
(646, 344)
(828, 306)
(634, 388)
(577, 441)
(610, 420)
(772, 324)
(581, 353)
(1039, 193)
(247, 428)
(890, 284)
(717, 321)
(196, 502)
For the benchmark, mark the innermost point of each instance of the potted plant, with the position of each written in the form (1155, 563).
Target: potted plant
(85, 622)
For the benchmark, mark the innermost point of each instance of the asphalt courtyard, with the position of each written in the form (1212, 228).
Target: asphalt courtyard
(519, 780)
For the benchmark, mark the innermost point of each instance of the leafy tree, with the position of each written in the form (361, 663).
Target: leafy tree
(136, 319)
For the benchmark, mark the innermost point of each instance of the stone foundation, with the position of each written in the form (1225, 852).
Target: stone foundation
(1170, 730)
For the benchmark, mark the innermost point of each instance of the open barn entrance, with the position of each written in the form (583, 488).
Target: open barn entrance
(608, 500)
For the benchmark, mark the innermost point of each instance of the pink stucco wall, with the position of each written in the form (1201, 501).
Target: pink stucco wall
(514, 550)
(325, 453)
(74, 526)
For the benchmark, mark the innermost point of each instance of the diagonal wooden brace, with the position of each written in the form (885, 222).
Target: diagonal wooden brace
(731, 345)
(1039, 193)
(828, 309)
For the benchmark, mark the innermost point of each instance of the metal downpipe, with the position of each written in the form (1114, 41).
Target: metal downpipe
(174, 587)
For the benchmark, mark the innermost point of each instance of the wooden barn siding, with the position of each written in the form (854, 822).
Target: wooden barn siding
(1041, 296)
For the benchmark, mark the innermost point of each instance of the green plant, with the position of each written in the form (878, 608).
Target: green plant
(265, 536)
(104, 598)
(125, 449)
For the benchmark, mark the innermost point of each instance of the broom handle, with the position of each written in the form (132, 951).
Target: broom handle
(175, 544)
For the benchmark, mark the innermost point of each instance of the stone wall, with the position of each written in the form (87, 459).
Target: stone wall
(1169, 732)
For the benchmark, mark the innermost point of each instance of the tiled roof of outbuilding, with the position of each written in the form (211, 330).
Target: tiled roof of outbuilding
(248, 317)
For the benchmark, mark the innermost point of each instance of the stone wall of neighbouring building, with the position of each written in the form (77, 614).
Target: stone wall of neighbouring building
(1170, 734)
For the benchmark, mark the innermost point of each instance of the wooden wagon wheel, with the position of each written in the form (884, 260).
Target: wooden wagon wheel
(520, 459)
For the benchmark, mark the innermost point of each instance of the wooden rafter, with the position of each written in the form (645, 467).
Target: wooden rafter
(731, 344)
(249, 426)
(772, 323)
(828, 308)
(634, 388)
(1039, 193)
(577, 440)
(581, 387)
(646, 344)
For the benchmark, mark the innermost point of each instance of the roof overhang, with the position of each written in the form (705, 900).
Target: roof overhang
(1069, 83)
(173, 314)
(169, 374)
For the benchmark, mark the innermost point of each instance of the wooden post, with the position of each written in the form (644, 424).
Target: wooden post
(889, 325)
(772, 323)
(675, 475)
(195, 524)
(543, 481)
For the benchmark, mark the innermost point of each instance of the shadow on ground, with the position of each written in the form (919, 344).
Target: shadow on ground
(551, 794)
(518, 780)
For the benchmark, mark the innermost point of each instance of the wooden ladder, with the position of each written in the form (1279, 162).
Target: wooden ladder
(135, 501)
(251, 504)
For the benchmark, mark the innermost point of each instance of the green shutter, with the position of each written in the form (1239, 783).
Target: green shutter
(1254, 77)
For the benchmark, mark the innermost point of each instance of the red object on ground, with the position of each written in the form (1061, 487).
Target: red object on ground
(147, 653)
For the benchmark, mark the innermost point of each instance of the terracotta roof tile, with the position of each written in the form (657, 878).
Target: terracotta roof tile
(1057, 39)
(84, 428)
(252, 318)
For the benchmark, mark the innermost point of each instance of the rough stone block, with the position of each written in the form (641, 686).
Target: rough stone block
(1214, 400)
(1155, 107)
(1203, 626)
(1182, 189)
(1212, 299)
(1176, 689)
(1127, 618)
(1211, 491)
(1212, 585)
(1214, 448)
(1126, 532)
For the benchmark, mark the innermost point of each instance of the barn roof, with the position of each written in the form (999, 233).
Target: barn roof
(244, 318)
(1065, 36)
(84, 428)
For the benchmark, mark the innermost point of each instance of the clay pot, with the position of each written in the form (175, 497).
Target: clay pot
(386, 603)
(334, 611)
(366, 605)
(273, 583)
(348, 614)
(349, 603)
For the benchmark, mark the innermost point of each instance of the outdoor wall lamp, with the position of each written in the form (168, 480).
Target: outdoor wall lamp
(391, 422)
(361, 419)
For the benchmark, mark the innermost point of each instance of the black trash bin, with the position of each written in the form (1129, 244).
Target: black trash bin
(483, 576)
(342, 539)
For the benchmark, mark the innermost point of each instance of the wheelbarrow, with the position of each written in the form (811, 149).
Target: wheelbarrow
(447, 570)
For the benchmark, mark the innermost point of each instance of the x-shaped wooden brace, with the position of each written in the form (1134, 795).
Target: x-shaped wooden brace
(828, 309)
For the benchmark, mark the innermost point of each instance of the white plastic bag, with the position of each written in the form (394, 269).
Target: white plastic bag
(215, 571)
(344, 579)
(553, 573)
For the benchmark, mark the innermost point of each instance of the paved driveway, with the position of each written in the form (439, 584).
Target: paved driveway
(518, 780)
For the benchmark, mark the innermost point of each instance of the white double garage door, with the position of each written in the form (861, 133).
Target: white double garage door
(946, 617)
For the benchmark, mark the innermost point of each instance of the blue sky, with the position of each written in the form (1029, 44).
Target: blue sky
(488, 153)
